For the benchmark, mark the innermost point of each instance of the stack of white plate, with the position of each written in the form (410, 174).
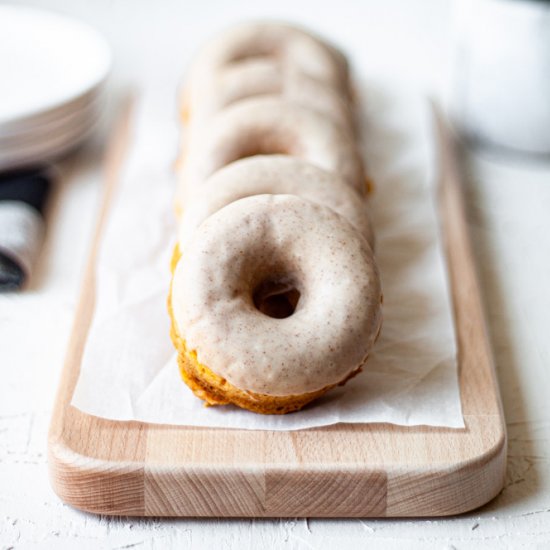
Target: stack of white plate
(52, 72)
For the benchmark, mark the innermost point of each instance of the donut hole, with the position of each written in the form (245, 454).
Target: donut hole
(276, 297)
(250, 57)
(260, 145)
(252, 52)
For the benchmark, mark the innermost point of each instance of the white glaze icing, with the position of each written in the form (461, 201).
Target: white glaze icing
(267, 125)
(283, 50)
(260, 77)
(274, 174)
(337, 317)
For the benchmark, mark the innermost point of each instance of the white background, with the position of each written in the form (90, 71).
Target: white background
(408, 43)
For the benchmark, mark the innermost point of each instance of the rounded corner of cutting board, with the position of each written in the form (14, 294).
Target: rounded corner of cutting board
(454, 487)
(485, 471)
(99, 486)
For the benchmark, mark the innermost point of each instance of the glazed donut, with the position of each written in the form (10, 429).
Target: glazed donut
(258, 78)
(274, 301)
(267, 125)
(274, 174)
(284, 52)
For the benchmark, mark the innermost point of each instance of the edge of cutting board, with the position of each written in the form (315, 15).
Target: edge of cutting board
(373, 470)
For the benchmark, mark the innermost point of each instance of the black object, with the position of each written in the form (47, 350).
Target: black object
(23, 195)
(12, 275)
(30, 186)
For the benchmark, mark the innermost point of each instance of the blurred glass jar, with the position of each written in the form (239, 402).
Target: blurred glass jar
(500, 93)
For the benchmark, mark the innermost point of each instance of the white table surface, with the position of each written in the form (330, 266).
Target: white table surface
(508, 213)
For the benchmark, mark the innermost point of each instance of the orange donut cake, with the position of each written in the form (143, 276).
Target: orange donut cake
(275, 296)
(261, 314)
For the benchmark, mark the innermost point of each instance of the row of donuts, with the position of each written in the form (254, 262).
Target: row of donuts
(269, 89)
(271, 204)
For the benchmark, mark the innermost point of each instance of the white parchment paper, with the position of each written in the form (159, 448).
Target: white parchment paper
(129, 370)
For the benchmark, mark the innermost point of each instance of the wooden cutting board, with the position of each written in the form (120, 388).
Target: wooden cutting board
(374, 470)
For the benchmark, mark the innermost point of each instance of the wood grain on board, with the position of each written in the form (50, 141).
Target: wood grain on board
(371, 470)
